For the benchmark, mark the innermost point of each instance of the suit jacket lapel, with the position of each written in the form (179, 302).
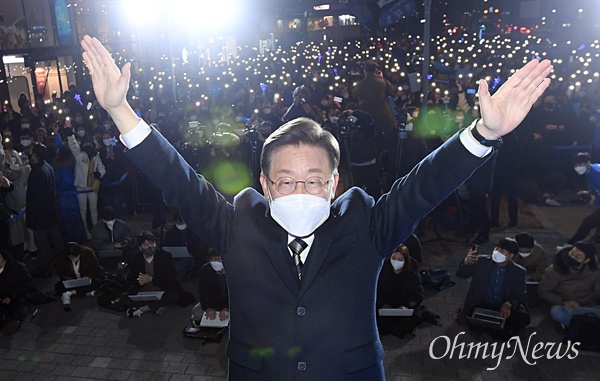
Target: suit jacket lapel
(318, 253)
(275, 242)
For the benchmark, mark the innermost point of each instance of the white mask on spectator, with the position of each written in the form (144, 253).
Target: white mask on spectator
(107, 142)
(498, 257)
(581, 169)
(524, 255)
(396, 264)
(25, 142)
(110, 224)
(180, 226)
(460, 119)
(81, 133)
(25, 126)
(216, 265)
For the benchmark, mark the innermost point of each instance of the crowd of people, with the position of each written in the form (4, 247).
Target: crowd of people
(66, 181)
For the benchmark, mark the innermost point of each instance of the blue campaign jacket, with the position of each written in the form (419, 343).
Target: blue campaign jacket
(323, 328)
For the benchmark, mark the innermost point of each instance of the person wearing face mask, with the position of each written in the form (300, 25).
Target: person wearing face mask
(213, 295)
(152, 269)
(75, 262)
(26, 141)
(88, 169)
(399, 286)
(498, 284)
(181, 235)
(301, 268)
(531, 256)
(583, 166)
(112, 233)
(15, 280)
(571, 284)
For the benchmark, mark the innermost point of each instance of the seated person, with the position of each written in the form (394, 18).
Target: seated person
(531, 256)
(15, 280)
(498, 284)
(212, 291)
(572, 283)
(399, 286)
(180, 235)
(111, 233)
(76, 261)
(152, 269)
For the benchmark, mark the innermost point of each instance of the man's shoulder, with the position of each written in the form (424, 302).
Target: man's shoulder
(249, 198)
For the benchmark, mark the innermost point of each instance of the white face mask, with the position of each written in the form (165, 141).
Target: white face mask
(25, 142)
(181, 226)
(81, 133)
(581, 169)
(396, 264)
(107, 142)
(216, 265)
(110, 224)
(300, 214)
(460, 120)
(524, 255)
(25, 126)
(498, 257)
(107, 126)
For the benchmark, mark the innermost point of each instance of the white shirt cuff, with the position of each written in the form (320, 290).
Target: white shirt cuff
(473, 145)
(137, 135)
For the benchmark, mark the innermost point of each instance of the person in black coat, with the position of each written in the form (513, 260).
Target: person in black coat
(399, 286)
(212, 290)
(152, 269)
(15, 280)
(42, 209)
(498, 284)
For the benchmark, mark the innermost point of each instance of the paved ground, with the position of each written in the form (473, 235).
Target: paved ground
(92, 343)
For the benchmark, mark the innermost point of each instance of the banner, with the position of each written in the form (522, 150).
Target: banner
(394, 12)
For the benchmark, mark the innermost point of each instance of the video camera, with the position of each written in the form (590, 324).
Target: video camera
(345, 122)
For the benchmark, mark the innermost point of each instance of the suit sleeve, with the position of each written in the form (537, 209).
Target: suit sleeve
(518, 285)
(413, 196)
(203, 209)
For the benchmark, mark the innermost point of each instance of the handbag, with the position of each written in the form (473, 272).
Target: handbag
(96, 185)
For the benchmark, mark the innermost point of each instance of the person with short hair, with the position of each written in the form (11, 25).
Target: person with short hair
(531, 256)
(498, 284)
(583, 166)
(152, 269)
(112, 233)
(75, 262)
(212, 292)
(571, 285)
(302, 267)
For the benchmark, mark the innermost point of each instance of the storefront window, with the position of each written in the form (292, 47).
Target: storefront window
(320, 23)
(344, 20)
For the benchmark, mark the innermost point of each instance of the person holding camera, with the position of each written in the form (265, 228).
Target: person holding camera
(498, 284)
(300, 106)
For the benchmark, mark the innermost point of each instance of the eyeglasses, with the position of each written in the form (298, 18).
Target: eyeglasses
(287, 185)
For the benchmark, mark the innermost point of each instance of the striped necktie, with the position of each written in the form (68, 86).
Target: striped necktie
(297, 246)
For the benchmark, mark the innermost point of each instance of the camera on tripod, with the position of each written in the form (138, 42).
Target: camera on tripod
(345, 123)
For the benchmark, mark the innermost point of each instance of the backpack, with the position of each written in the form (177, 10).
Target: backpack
(110, 290)
(585, 329)
(437, 277)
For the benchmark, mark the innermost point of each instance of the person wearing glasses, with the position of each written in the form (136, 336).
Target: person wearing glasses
(302, 268)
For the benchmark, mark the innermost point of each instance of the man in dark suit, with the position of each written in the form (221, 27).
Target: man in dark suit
(498, 284)
(152, 269)
(302, 271)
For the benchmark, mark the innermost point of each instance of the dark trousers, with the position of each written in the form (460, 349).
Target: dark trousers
(590, 222)
(49, 242)
(168, 298)
(16, 309)
(479, 220)
(398, 325)
(60, 287)
(504, 183)
(519, 318)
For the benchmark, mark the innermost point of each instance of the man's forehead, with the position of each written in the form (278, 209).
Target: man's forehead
(293, 160)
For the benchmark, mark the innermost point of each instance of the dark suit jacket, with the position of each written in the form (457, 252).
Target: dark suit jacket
(165, 275)
(323, 328)
(42, 204)
(513, 290)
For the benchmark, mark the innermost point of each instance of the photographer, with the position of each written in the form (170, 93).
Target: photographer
(300, 106)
